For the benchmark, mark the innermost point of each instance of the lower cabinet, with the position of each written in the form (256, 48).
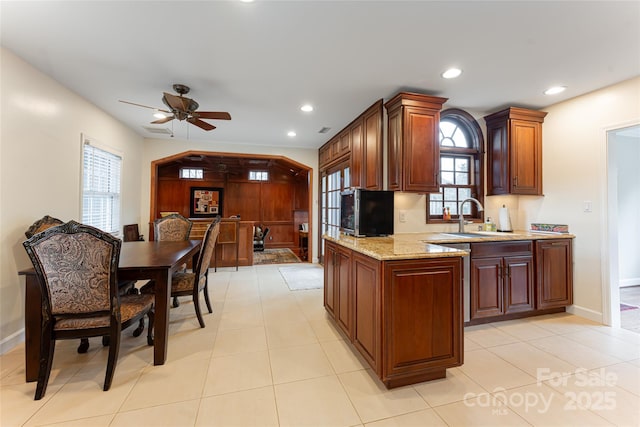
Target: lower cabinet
(405, 315)
(520, 278)
(554, 278)
(502, 278)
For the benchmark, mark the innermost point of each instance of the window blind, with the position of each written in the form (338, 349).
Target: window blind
(101, 189)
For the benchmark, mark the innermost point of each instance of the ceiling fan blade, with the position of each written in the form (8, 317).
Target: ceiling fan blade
(216, 115)
(144, 106)
(200, 123)
(176, 102)
(165, 120)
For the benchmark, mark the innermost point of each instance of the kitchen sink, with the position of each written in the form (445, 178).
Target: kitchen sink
(463, 234)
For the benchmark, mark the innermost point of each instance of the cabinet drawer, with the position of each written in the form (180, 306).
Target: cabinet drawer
(518, 247)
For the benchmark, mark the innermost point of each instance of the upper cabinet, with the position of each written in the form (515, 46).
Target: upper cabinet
(514, 151)
(413, 142)
(361, 144)
(366, 149)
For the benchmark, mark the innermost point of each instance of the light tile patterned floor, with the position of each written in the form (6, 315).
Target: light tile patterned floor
(270, 356)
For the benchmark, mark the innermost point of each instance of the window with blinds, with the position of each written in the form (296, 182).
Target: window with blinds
(101, 189)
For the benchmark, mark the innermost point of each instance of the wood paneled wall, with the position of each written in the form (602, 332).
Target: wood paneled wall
(280, 204)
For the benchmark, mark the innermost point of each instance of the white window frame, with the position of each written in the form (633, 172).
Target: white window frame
(193, 173)
(258, 175)
(109, 223)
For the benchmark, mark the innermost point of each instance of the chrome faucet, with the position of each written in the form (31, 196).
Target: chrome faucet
(461, 216)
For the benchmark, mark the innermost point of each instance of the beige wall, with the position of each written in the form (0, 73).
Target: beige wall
(40, 158)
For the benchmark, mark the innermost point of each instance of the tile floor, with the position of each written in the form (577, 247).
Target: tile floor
(270, 356)
(630, 319)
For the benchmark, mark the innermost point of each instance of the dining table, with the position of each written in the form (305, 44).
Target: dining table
(139, 260)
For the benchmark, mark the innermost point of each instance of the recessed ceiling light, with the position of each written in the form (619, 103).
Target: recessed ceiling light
(291, 133)
(159, 115)
(307, 108)
(555, 90)
(452, 73)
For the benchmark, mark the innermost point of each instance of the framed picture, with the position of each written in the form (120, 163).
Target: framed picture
(206, 202)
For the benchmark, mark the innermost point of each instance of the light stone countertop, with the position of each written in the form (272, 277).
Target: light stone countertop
(426, 245)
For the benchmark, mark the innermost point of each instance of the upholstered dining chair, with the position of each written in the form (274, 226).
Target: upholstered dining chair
(172, 227)
(124, 286)
(192, 283)
(76, 266)
(42, 224)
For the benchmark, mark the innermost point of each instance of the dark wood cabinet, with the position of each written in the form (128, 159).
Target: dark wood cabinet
(514, 151)
(422, 315)
(554, 274)
(502, 278)
(413, 160)
(361, 144)
(403, 316)
(367, 296)
(338, 289)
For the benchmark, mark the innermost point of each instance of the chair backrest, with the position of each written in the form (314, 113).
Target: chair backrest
(206, 253)
(130, 233)
(41, 225)
(172, 227)
(76, 266)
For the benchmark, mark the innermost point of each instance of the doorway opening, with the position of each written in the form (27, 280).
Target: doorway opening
(621, 293)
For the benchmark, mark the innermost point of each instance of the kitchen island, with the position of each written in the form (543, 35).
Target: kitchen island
(400, 304)
(399, 299)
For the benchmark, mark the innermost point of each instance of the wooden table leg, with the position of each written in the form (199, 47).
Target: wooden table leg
(32, 325)
(161, 323)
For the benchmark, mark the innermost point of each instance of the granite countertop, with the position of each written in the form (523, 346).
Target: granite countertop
(426, 245)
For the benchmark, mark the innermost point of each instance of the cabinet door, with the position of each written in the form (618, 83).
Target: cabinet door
(357, 154)
(394, 150)
(367, 295)
(497, 159)
(372, 142)
(526, 157)
(344, 299)
(422, 317)
(487, 298)
(554, 273)
(421, 150)
(518, 284)
(329, 277)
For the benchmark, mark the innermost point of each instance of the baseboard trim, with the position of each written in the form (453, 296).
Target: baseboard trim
(630, 282)
(10, 342)
(587, 313)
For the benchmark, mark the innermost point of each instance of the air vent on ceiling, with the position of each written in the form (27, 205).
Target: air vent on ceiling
(159, 131)
(324, 130)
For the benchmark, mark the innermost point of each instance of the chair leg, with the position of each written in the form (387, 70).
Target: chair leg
(138, 331)
(206, 297)
(196, 304)
(176, 303)
(47, 348)
(152, 315)
(114, 348)
(84, 345)
(105, 340)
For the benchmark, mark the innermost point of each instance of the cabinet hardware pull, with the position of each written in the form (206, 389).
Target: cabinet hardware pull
(515, 181)
(557, 244)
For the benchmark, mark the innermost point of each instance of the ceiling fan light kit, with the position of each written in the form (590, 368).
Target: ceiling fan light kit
(183, 108)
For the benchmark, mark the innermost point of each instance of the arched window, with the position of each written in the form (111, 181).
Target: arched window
(461, 167)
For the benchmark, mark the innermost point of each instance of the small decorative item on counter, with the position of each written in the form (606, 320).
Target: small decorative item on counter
(550, 228)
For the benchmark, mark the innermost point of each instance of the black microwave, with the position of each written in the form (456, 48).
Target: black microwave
(366, 212)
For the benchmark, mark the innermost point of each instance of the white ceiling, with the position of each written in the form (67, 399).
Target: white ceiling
(261, 61)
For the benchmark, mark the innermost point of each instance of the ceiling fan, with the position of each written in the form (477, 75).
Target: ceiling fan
(183, 108)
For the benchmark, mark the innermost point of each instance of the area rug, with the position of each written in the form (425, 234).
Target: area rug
(275, 256)
(303, 277)
(625, 307)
